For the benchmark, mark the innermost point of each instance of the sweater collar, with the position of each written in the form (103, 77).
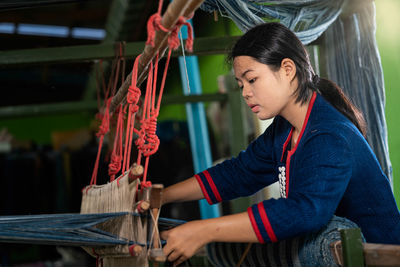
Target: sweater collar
(310, 106)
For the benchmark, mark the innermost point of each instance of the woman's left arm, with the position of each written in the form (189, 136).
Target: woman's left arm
(185, 240)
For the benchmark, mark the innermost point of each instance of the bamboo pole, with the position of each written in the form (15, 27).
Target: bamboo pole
(174, 10)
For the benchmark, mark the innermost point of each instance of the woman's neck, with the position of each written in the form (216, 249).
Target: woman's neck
(295, 114)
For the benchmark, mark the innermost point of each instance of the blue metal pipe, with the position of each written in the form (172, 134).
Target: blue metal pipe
(197, 123)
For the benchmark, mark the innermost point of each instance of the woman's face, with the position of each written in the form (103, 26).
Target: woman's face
(266, 92)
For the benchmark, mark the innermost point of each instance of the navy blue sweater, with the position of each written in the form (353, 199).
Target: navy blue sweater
(331, 170)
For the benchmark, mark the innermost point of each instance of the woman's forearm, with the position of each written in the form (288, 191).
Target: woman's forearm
(183, 191)
(230, 228)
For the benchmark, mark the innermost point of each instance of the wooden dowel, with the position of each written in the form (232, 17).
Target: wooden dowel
(136, 250)
(144, 203)
(135, 172)
(174, 10)
(156, 253)
(374, 254)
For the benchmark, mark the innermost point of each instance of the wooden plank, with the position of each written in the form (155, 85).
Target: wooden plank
(382, 255)
(79, 53)
(374, 254)
(68, 107)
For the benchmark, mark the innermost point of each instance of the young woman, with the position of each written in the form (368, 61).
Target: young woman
(315, 148)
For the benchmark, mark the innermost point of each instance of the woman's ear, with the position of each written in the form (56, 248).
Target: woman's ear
(289, 68)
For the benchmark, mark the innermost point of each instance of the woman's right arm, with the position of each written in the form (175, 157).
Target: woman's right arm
(186, 190)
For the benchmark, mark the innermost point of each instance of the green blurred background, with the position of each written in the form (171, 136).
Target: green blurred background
(388, 38)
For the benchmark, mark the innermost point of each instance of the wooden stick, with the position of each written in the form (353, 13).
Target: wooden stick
(144, 203)
(374, 254)
(156, 254)
(135, 172)
(174, 10)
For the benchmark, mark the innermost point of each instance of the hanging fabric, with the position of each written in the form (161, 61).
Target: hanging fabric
(354, 63)
(308, 19)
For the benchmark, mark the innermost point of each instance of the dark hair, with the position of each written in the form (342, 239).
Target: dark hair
(270, 43)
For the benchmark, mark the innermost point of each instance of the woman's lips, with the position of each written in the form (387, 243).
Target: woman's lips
(254, 108)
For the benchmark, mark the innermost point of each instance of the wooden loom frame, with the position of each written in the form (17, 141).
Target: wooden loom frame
(124, 189)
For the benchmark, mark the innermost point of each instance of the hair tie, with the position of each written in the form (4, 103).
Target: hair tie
(315, 79)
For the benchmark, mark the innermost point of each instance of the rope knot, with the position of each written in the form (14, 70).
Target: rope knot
(133, 94)
(104, 127)
(144, 184)
(115, 165)
(173, 39)
(153, 25)
(105, 120)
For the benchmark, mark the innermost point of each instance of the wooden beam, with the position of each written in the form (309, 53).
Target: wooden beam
(71, 54)
(43, 109)
(23, 4)
(374, 254)
(68, 107)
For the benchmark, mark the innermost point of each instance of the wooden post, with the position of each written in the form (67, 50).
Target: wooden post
(156, 253)
(352, 247)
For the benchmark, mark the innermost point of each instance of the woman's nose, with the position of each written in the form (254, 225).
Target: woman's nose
(245, 92)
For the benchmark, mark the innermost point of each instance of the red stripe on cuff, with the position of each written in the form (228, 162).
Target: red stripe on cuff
(254, 224)
(266, 222)
(203, 189)
(212, 185)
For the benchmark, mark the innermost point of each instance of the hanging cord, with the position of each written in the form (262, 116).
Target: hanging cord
(246, 251)
(132, 99)
(184, 62)
(147, 139)
(116, 156)
(105, 114)
(103, 129)
(148, 142)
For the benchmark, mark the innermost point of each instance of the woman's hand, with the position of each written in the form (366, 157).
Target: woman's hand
(185, 240)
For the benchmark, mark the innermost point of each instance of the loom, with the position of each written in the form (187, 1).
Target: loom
(119, 221)
(131, 192)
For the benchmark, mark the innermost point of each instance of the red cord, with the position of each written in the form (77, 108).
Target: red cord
(103, 129)
(147, 142)
(116, 157)
(132, 99)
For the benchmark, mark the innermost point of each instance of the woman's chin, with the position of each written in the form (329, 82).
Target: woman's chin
(264, 117)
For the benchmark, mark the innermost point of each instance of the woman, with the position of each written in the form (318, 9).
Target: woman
(315, 148)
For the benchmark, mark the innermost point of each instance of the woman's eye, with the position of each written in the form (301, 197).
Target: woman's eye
(252, 80)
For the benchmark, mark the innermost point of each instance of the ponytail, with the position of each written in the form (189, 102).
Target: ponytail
(337, 98)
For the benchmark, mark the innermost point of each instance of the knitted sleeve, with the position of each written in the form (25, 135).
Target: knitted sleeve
(244, 175)
(319, 174)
